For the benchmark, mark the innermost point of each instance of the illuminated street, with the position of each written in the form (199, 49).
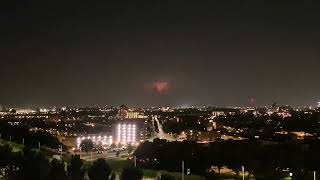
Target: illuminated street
(95, 156)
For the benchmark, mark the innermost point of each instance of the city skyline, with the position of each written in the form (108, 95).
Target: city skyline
(159, 53)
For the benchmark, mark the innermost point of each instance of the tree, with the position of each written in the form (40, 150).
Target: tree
(9, 162)
(99, 170)
(57, 170)
(167, 177)
(17, 133)
(130, 148)
(76, 169)
(131, 174)
(87, 145)
(113, 176)
(34, 166)
(113, 146)
(5, 152)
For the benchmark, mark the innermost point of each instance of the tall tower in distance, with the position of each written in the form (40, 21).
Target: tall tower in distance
(318, 104)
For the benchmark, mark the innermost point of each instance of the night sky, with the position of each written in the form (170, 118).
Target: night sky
(219, 53)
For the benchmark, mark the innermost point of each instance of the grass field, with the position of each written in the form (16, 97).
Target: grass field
(118, 164)
(152, 174)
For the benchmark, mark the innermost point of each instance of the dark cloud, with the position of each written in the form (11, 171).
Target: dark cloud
(211, 52)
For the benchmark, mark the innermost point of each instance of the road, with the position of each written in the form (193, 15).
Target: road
(105, 155)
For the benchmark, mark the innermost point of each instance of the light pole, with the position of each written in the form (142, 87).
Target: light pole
(39, 145)
(60, 149)
(135, 161)
(314, 175)
(182, 170)
(242, 172)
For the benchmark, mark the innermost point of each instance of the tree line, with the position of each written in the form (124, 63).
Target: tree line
(21, 135)
(261, 159)
(31, 164)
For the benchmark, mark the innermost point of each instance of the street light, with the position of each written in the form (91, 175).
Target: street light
(242, 172)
